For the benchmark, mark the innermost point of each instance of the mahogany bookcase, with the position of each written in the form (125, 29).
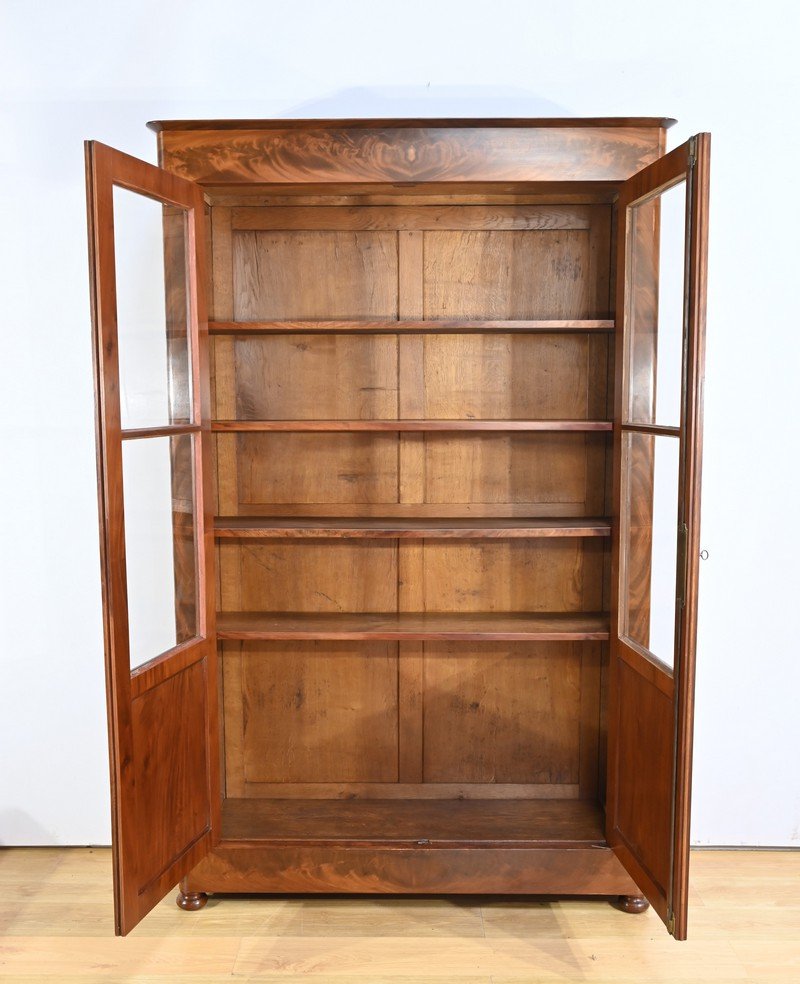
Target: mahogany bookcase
(399, 438)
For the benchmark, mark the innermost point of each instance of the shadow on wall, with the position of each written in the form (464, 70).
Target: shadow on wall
(20, 829)
(426, 101)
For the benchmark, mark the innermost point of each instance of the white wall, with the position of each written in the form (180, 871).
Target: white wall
(101, 69)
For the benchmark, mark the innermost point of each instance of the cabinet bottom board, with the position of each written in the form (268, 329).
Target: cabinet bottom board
(428, 847)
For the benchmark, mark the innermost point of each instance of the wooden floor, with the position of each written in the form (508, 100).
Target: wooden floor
(56, 925)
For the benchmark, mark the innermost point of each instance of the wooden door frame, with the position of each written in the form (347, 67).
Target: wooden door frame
(105, 169)
(690, 162)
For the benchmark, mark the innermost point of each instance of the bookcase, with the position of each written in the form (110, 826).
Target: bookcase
(399, 445)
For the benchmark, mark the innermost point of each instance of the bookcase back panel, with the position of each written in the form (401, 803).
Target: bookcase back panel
(271, 470)
(314, 274)
(280, 576)
(364, 719)
(512, 575)
(320, 712)
(501, 713)
(537, 474)
(315, 377)
(515, 274)
(544, 574)
(497, 376)
(472, 376)
(532, 262)
(332, 719)
(541, 474)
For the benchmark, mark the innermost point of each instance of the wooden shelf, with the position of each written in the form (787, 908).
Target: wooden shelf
(412, 425)
(539, 823)
(456, 327)
(270, 528)
(415, 626)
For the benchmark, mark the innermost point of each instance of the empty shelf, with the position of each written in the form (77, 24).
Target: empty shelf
(258, 527)
(449, 326)
(419, 823)
(412, 425)
(415, 626)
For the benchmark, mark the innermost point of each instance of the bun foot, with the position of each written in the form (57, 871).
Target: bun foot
(632, 903)
(191, 901)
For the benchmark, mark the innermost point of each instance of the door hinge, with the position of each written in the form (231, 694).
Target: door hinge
(692, 151)
(683, 543)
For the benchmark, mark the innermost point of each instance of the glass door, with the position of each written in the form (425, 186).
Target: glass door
(146, 258)
(662, 217)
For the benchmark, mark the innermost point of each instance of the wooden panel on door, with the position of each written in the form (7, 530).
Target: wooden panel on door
(156, 517)
(656, 506)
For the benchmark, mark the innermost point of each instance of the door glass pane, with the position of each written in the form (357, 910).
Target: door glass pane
(152, 311)
(655, 308)
(160, 544)
(649, 543)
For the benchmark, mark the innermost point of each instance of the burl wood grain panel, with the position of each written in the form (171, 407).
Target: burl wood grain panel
(413, 153)
(169, 728)
(502, 712)
(438, 871)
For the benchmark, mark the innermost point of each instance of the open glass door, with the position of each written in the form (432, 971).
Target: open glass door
(662, 220)
(146, 259)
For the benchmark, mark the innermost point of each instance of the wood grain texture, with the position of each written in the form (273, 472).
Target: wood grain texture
(403, 153)
(277, 527)
(519, 823)
(412, 193)
(699, 194)
(439, 326)
(310, 376)
(171, 774)
(495, 712)
(651, 709)
(469, 122)
(351, 472)
(743, 928)
(575, 426)
(509, 376)
(276, 275)
(422, 870)
(326, 712)
(494, 274)
(547, 574)
(413, 217)
(335, 576)
(415, 626)
(364, 475)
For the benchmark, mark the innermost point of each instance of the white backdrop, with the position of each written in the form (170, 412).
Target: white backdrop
(102, 69)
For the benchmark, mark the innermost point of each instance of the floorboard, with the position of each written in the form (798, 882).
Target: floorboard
(56, 926)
